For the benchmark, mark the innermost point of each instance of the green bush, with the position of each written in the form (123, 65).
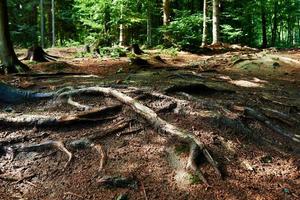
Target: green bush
(184, 31)
(113, 52)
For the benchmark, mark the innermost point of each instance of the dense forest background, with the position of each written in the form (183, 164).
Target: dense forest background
(255, 23)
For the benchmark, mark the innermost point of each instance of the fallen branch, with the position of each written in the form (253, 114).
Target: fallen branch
(153, 119)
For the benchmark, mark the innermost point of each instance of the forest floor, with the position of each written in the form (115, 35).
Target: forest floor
(262, 165)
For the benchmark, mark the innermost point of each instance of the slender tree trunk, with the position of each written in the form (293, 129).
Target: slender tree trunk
(42, 24)
(49, 24)
(122, 38)
(216, 22)
(149, 24)
(53, 22)
(275, 24)
(263, 25)
(299, 30)
(204, 33)
(167, 11)
(10, 62)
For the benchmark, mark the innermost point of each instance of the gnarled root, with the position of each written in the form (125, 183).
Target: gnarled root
(156, 122)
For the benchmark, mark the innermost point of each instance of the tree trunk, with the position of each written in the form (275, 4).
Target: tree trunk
(167, 11)
(263, 25)
(10, 62)
(42, 23)
(122, 38)
(216, 22)
(149, 24)
(204, 33)
(275, 24)
(53, 22)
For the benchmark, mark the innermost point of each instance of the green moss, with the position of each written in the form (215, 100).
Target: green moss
(195, 179)
(183, 148)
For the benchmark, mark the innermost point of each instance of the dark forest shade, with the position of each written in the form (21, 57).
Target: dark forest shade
(10, 62)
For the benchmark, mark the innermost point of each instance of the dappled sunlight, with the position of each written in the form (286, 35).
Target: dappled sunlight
(247, 84)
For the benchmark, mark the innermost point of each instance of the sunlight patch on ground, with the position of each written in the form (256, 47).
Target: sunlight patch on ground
(257, 80)
(247, 84)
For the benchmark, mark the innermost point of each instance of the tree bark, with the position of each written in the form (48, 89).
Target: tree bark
(10, 62)
(216, 22)
(275, 24)
(122, 38)
(53, 22)
(263, 25)
(149, 23)
(167, 11)
(42, 24)
(204, 33)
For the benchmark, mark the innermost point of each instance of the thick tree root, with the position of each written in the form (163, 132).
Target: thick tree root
(275, 114)
(83, 143)
(276, 128)
(77, 105)
(42, 120)
(103, 155)
(154, 120)
(36, 53)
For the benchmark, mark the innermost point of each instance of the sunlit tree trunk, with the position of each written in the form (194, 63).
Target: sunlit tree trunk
(10, 62)
(216, 21)
(122, 38)
(166, 12)
(204, 32)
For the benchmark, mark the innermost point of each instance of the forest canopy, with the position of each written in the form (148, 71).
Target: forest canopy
(255, 23)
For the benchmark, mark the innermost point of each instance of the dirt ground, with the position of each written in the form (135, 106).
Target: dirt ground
(252, 168)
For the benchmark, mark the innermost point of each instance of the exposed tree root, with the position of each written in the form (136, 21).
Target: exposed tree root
(19, 139)
(161, 125)
(36, 53)
(6, 177)
(42, 120)
(103, 155)
(276, 128)
(45, 146)
(280, 116)
(77, 105)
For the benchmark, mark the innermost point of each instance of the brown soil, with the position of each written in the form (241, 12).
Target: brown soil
(253, 170)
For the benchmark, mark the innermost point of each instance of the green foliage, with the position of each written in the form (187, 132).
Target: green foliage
(98, 21)
(230, 33)
(185, 30)
(113, 52)
(183, 148)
